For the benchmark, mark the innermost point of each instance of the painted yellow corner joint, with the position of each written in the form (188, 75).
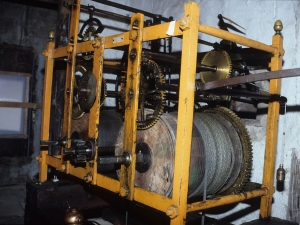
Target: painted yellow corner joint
(172, 211)
(185, 23)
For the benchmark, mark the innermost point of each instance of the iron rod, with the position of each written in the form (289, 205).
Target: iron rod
(130, 9)
(126, 18)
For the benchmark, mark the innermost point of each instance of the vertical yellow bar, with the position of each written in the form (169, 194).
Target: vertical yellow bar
(46, 109)
(127, 175)
(272, 131)
(70, 76)
(189, 25)
(95, 110)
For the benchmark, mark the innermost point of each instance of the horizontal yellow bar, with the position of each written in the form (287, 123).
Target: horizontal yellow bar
(236, 38)
(116, 40)
(228, 199)
(59, 52)
(108, 183)
(79, 172)
(112, 63)
(53, 161)
(160, 31)
(151, 199)
(86, 46)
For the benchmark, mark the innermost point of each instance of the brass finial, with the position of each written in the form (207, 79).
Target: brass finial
(51, 35)
(278, 26)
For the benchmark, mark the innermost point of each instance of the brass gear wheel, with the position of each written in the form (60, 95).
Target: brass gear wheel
(246, 165)
(89, 34)
(221, 60)
(150, 97)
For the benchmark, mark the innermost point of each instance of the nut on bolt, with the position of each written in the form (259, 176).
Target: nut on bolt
(70, 48)
(130, 93)
(88, 178)
(172, 211)
(185, 23)
(45, 53)
(39, 159)
(63, 167)
(123, 191)
(96, 43)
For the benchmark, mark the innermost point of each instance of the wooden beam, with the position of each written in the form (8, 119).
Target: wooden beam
(20, 105)
(9, 73)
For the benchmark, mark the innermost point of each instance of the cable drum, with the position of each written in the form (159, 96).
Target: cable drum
(218, 154)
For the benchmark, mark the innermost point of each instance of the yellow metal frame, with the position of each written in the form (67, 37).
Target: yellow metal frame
(175, 207)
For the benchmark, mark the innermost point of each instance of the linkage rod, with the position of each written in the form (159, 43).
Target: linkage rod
(131, 9)
(126, 18)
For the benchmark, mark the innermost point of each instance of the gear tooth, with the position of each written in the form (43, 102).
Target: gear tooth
(222, 60)
(160, 107)
(201, 77)
(89, 32)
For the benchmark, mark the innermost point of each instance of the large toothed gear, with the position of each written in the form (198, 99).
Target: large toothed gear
(246, 161)
(150, 96)
(219, 59)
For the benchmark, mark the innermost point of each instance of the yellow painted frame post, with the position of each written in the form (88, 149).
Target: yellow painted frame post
(46, 109)
(189, 25)
(95, 110)
(70, 76)
(127, 175)
(272, 131)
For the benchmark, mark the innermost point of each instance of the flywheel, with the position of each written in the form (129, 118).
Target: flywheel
(219, 59)
(85, 91)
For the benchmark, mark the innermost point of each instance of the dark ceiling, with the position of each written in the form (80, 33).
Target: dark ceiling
(47, 4)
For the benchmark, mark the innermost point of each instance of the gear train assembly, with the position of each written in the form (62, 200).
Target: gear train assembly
(171, 136)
